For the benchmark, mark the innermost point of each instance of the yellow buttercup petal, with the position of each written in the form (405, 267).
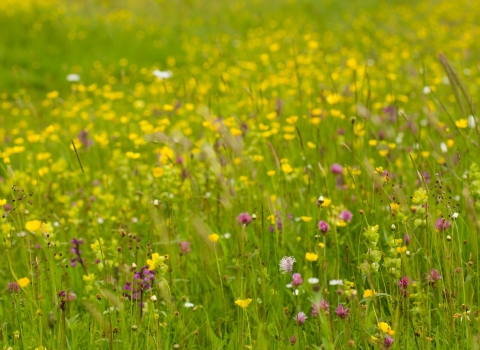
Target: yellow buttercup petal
(243, 303)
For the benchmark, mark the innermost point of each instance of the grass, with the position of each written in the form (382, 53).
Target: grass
(347, 132)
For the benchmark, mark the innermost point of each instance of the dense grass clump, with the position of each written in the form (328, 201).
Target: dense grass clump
(239, 174)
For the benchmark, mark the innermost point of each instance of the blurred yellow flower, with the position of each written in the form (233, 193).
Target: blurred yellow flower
(23, 282)
(3, 202)
(132, 155)
(213, 237)
(326, 202)
(385, 328)
(157, 172)
(462, 123)
(156, 261)
(52, 95)
(369, 293)
(287, 168)
(306, 218)
(33, 225)
(311, 256)
(243, 303)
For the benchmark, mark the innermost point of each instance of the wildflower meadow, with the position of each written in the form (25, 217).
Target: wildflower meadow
(239, 174)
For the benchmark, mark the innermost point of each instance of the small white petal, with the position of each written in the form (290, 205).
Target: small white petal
(162, 74)
(73, 77)
(443, 147)
(336, 282)
(471, 122)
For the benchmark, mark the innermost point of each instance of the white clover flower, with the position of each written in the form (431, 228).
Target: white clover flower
(336, 282)
(471, 122)
(162, 74)
(313, 280)
(73, 78)
(455, 216)
(286, 264)
(187, 305)
(443, 147)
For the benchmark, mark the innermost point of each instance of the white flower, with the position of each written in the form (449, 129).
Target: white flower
(336, 282)
(289, 285)
(295, 292)
(135, 220)
(426, 90)
(134, 265)
(227, 235)
(455, 216)
(321, 199)
(471, 122)
(162, 74)
(155, 202)
(286, 264)
(313, 280)
(73, 77)
(100, 220)
(443, 147)
(187, 305)
(153, 298)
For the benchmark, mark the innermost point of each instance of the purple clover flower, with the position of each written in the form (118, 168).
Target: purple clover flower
(300, 318)
(322, 306)
(346, 216)
(323, 226)
(244, 219)
(297, 280)
(342, 312)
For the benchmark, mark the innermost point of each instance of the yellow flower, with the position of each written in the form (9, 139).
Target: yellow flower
(132, 155)
(243, 303)
(326, 202)
(384, 327)
(157, 172)
(321, 245)
(213, 237)
(52, 95)
(306, 218)
(311, 256)
(271, 173)
(394, 206)
(23, 282)
(461, 123)
(287, 168)
(3, 202)
(89, 278)
(33, 225)
(369, 293)
(156, 261)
